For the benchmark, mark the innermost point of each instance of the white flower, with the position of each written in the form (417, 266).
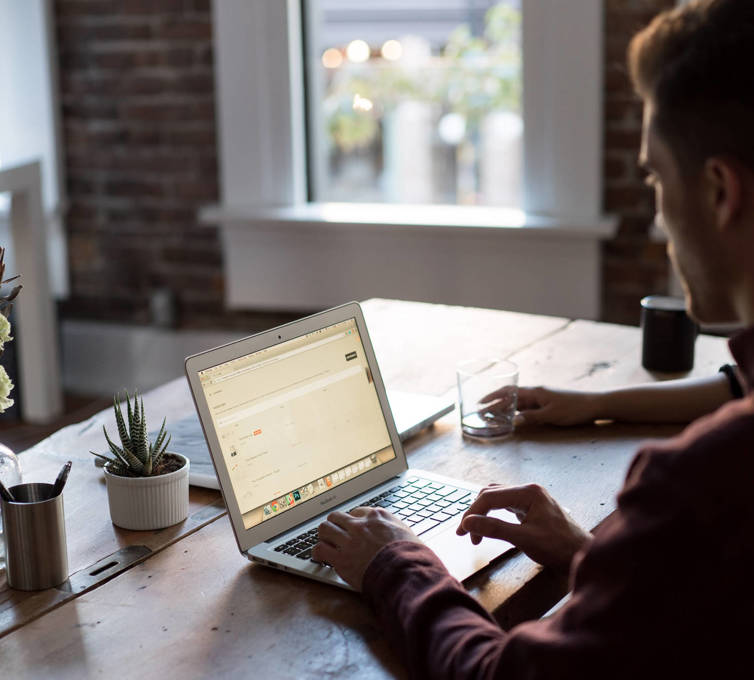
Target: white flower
(4, 331)
(5, 389)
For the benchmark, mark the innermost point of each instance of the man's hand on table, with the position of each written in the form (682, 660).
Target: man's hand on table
(546, 533)
(545, 406)
(349, 541)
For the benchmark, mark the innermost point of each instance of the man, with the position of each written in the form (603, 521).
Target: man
(665, 587)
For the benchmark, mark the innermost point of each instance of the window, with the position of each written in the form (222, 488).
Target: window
(28, 119)
(259, 68)
(27, 108)
(286, 247)
(415, 101)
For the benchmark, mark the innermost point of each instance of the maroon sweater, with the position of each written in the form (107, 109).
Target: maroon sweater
(665, 589)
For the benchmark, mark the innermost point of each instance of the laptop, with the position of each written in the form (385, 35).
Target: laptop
(412, 413)
(298, 424)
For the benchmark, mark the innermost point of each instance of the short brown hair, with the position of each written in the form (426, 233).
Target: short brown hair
(695, 63)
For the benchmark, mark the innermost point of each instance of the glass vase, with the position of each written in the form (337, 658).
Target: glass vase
(10, 475)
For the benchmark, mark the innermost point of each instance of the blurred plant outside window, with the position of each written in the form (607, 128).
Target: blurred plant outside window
(427, 116)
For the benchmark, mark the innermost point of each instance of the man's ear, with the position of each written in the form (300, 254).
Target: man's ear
(723, 179)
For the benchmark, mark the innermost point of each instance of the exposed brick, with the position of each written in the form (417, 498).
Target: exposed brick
(616, 78)
(178, 57)
(191, 137)
(202, 191)
(618, 109)
(71, 32)
(168, 7)
(201, 5)
(632, 265)
(626, 139)
(186, 256)
(135, 188)
(615, 168)
(66, 9)
(628, 196)
(158, 111)
(184, 30)
(89, 108)
(140, 136)
(137, 101)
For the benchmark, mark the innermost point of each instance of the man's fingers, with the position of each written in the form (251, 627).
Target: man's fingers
(530, 397)
(342, 519)
(498, 406)
(480, 525)
(495, 497)
(331, 533)
(360, 511)
(490, 397)
(532, 416)
(503, 394)
(324, 552)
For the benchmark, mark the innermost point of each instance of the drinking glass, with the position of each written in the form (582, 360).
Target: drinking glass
(487, 396)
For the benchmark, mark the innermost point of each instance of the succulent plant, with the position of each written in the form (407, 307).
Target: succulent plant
(136, 456)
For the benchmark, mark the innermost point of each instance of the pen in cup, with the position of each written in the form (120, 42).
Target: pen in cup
(57, 487)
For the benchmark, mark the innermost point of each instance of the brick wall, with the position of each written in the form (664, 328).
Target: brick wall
(632, 265)
(137, 93)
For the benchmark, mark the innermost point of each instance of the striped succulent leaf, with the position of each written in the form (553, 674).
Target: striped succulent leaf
(161, 452)
(139, 435)
(115, 449)
(130, 413)
(108, 461)
(160, 437)
(122, 432)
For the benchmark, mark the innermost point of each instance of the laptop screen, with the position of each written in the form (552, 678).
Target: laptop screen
(296, 419)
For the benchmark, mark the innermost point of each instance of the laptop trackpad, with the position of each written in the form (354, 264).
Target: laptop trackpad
(461, 556)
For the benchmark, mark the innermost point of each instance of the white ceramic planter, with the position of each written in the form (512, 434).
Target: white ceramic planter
(149, 502)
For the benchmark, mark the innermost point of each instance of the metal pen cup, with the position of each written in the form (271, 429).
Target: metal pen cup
(36, 554)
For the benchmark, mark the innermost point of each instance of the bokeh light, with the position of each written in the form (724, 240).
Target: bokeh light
(332, 58)
(358, 51)
(391, 50)
(362, 103)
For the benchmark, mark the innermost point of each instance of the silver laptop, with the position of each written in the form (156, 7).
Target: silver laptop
(298, 424)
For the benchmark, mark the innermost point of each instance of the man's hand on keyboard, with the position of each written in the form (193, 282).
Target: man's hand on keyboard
(349, 541)
(546, 533)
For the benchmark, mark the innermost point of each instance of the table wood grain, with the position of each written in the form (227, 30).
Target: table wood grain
(201, 609)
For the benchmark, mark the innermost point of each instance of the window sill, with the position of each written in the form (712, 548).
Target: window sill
(445, 219)
(317, 255)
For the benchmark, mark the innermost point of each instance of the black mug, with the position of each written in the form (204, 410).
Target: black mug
(668, 335)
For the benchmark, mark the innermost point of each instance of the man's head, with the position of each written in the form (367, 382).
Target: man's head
(694, 69)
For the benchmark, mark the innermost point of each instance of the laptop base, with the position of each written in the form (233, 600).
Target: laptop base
(458, 554)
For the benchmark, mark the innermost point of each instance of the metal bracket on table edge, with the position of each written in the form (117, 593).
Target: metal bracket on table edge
(105, 569)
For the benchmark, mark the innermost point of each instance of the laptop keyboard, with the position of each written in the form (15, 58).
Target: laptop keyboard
(423, 504)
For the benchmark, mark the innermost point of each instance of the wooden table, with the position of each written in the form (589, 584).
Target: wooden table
(182, 602)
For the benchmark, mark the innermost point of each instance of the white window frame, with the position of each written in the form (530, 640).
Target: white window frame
(30, 119)
(262, 159)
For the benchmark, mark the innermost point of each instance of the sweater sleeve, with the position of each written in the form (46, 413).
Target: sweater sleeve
(439, 629)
